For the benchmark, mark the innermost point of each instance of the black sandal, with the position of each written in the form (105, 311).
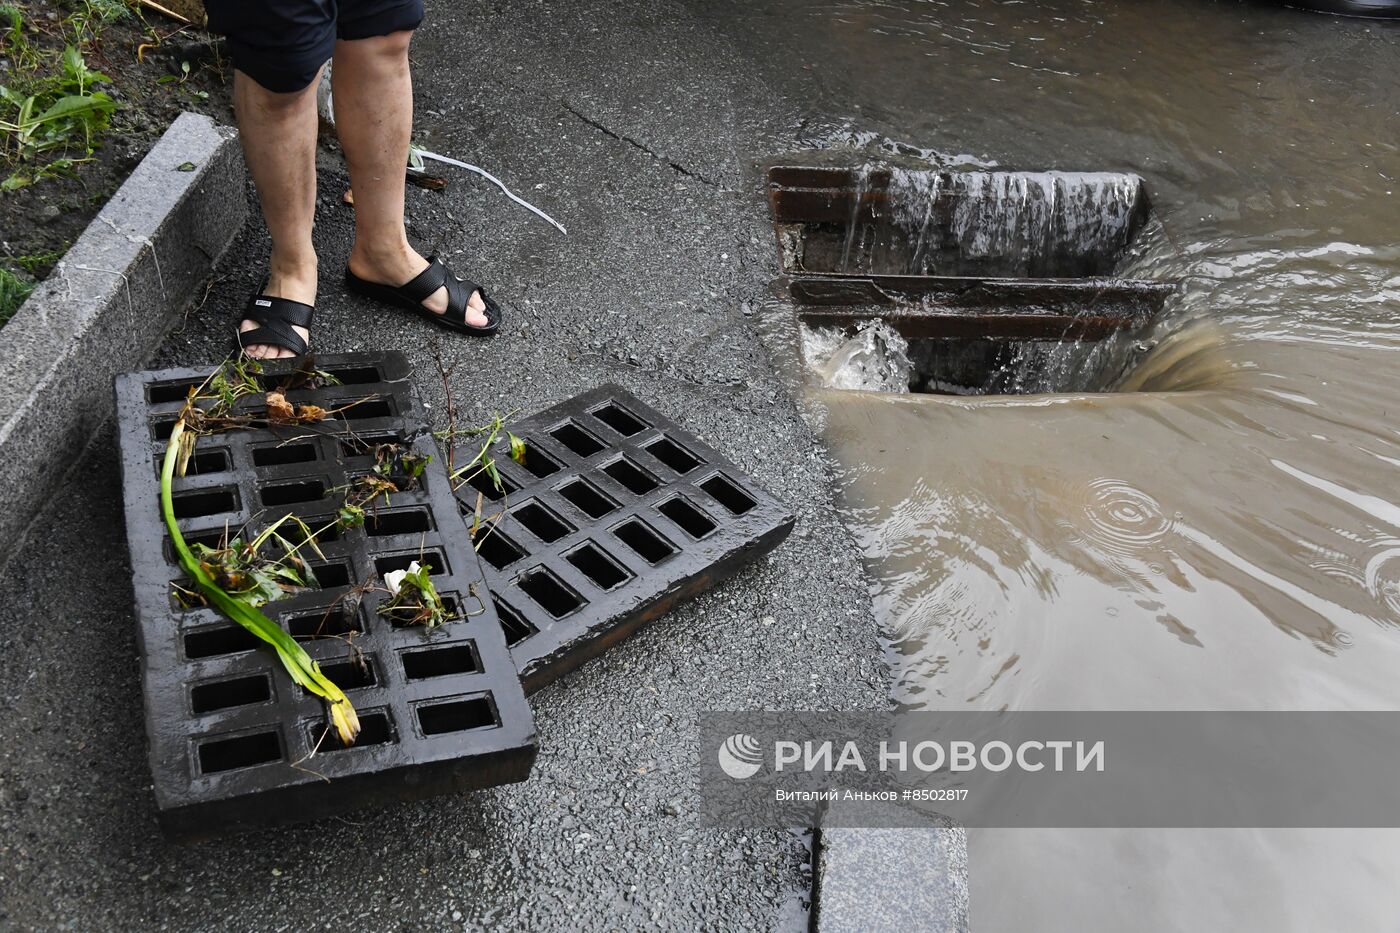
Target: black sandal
(276, 317)
(411, 294)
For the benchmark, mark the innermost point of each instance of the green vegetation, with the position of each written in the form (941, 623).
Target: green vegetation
(238, 578)
(13, 291)
(247, 570)
(51, 114)
(14, 287)
(413, 599)
(304, 671)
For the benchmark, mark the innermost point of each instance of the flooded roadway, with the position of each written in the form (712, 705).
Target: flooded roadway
(1234, 544)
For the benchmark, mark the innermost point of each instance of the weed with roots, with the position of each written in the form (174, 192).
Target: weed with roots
(413, 599)
(253, 580)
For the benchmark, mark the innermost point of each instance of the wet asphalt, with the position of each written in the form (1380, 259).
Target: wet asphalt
(636, 125)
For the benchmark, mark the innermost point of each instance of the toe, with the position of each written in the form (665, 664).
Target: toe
(476, 311)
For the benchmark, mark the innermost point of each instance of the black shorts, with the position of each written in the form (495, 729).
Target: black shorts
(282, 44)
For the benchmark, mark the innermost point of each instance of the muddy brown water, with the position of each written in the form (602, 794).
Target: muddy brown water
(1228, 537)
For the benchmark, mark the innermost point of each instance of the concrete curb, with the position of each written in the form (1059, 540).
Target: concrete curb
(108, 304)
(890, 880)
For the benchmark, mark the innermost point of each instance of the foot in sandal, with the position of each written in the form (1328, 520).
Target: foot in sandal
(277, 321)
(403, 278)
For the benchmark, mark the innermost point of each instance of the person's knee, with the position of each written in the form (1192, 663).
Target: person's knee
(289, 94)
(393, 46)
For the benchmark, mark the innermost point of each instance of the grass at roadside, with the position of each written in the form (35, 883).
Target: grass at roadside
(13, 291)
(86, 87)
(52, 113)
(18, 279)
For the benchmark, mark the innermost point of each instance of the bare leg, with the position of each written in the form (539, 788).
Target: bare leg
(374, 117)
(279, 144)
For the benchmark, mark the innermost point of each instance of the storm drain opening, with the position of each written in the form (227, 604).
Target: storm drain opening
(887, 219)
(920, 279)
(877, 357)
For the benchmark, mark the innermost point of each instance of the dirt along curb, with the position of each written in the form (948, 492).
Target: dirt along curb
(108, 303)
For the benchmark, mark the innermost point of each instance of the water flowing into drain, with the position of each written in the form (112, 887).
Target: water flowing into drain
(893, 220)
(878, 359)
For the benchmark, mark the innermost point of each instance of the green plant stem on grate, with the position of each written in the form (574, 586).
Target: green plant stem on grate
(303, 670)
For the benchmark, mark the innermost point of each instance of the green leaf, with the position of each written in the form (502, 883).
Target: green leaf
(74, 105)
(517, 449)
(299, 665)
(186, 167)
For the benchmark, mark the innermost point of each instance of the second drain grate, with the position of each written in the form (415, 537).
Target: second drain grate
(616, 515)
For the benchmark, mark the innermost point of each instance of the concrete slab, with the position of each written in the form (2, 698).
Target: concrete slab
(891, 880)
(105, 307)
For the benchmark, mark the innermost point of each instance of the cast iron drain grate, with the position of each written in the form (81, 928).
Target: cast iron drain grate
(982, 255)
(616, 516)
(229, 732)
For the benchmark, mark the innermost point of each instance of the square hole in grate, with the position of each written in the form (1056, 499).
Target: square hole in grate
(201, 502)
(162, 429)
(441, 662)
(213, 642)
(597, 566)
(631, 476)
(280, 454)
(551, 593)
(223, 694)
(433, 560)
(331, 575)
(242, 751)
(584, 496)
(515, 625)
(485, 485)
(352, 674)
(690, 519)
(407, 522)
(291, 493)
(728, 494)
(577, 439)
(496, 549)
(619, 419)
(364, 409)
(376, 728)
(204, 462)
(322, 528)
(162, 393)
(357, 375)
(336, 622)
(673, 455)
(643, 539)
(457, 715)
(541, 522)
(538, 462)
(363, 445)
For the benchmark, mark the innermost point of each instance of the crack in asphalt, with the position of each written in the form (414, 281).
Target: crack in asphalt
(676, 167)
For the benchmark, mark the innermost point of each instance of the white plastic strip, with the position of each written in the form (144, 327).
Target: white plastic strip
(495, 181)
